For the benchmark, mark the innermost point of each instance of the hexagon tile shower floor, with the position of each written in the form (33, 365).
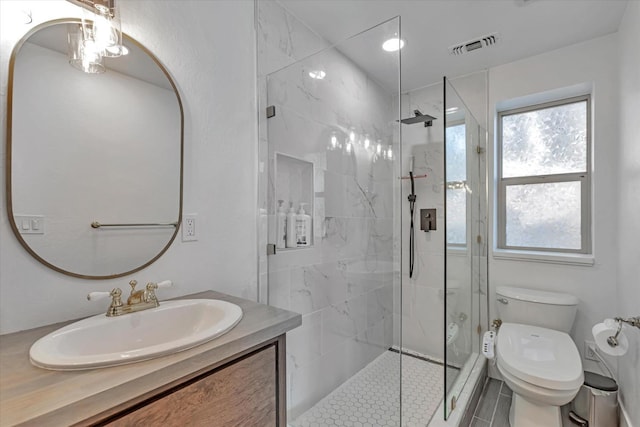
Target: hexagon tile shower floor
(372, 396)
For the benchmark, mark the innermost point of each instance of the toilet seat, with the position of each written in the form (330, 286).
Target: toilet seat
(539, 395)
(539, 356)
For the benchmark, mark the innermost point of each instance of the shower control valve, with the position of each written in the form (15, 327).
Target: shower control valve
(427, 219)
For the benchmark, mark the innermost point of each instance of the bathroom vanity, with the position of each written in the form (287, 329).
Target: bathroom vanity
(236, 379)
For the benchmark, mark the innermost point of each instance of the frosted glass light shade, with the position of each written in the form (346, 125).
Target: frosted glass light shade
(83, 53)
(108, 31)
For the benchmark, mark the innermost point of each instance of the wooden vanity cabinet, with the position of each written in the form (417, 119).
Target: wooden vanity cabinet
(247, 391)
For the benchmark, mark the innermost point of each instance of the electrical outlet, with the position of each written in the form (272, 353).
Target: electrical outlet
(589, 350)
(189, 228)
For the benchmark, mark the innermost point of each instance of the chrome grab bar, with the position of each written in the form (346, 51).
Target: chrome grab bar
(96, 224)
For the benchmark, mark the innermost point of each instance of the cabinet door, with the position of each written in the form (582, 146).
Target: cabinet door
(240, 394)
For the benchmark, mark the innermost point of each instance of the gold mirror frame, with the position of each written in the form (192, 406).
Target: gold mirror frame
(8, 160)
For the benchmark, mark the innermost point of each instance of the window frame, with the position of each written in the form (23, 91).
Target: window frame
(584, 178)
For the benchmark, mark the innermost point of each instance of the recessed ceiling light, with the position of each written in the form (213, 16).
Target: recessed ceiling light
(451, 110)
(317, 74)
(393, 44)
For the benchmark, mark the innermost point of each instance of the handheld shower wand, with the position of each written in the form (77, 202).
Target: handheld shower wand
(412, 203)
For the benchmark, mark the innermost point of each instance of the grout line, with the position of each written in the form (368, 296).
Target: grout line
(484, 387)
(483, 395)
(501, 387)
(495, 408)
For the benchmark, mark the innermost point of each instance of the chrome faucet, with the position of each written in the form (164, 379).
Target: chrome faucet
(137, 301)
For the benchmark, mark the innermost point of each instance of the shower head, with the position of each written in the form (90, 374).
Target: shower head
(419, 118)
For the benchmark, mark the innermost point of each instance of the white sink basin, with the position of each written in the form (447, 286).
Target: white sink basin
(100, 341)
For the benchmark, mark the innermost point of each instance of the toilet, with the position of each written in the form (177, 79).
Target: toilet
(535, 355)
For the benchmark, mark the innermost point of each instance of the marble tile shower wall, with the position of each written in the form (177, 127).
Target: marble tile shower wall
(423, 305)
(281, 40)
(343, 284)
(422, 295)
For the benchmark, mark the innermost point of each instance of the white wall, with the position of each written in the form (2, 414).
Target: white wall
(208, 47)
(593, 62)
(628, 189)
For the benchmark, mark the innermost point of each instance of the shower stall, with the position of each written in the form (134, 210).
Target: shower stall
(377, 345)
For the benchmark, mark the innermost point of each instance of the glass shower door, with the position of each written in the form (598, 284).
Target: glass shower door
(329, 144)
(465, 243)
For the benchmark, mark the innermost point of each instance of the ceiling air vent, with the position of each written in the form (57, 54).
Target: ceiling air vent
(468, 46)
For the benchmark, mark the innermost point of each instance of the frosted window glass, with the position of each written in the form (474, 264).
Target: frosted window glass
(457, 216)
(544, 215)
(456, 153)
(548, 141)
(456, 177)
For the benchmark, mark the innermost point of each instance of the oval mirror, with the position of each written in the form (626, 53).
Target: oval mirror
(94, 161)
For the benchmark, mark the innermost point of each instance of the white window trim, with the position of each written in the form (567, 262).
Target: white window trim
(584, 256)
(544, 257)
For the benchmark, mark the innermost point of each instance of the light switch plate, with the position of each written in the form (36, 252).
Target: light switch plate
(30, 224)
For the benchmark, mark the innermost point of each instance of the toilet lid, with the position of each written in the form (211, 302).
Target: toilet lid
(539, 356)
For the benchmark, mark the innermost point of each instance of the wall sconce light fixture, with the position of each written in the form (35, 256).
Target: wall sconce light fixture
(99, 36)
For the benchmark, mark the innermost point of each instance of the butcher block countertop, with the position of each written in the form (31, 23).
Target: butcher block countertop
(35, 396)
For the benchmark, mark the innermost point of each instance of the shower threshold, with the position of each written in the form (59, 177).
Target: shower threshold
(372, 396)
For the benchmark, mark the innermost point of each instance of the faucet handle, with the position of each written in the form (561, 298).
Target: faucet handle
(150, 294)
(116, 301)
(93, 296)
(164, 284)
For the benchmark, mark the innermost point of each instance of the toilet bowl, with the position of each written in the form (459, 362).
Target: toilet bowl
(535, 355)
(543, 368)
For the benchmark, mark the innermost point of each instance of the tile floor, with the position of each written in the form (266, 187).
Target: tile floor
(371, 397)
(493, 406)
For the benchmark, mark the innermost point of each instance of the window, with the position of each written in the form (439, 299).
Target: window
(456, 185)
(544, 182)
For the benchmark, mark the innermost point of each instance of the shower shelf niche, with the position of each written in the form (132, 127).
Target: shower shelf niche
(294, 184)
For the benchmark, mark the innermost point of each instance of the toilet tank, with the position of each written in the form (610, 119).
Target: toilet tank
(546, 309)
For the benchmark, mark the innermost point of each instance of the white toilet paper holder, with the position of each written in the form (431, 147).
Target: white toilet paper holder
(633, 321)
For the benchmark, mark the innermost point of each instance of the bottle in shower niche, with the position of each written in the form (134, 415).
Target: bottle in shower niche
(291, 228)
(303, 227)
(281, 226)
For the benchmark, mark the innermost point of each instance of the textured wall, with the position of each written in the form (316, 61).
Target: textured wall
(208, 47)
